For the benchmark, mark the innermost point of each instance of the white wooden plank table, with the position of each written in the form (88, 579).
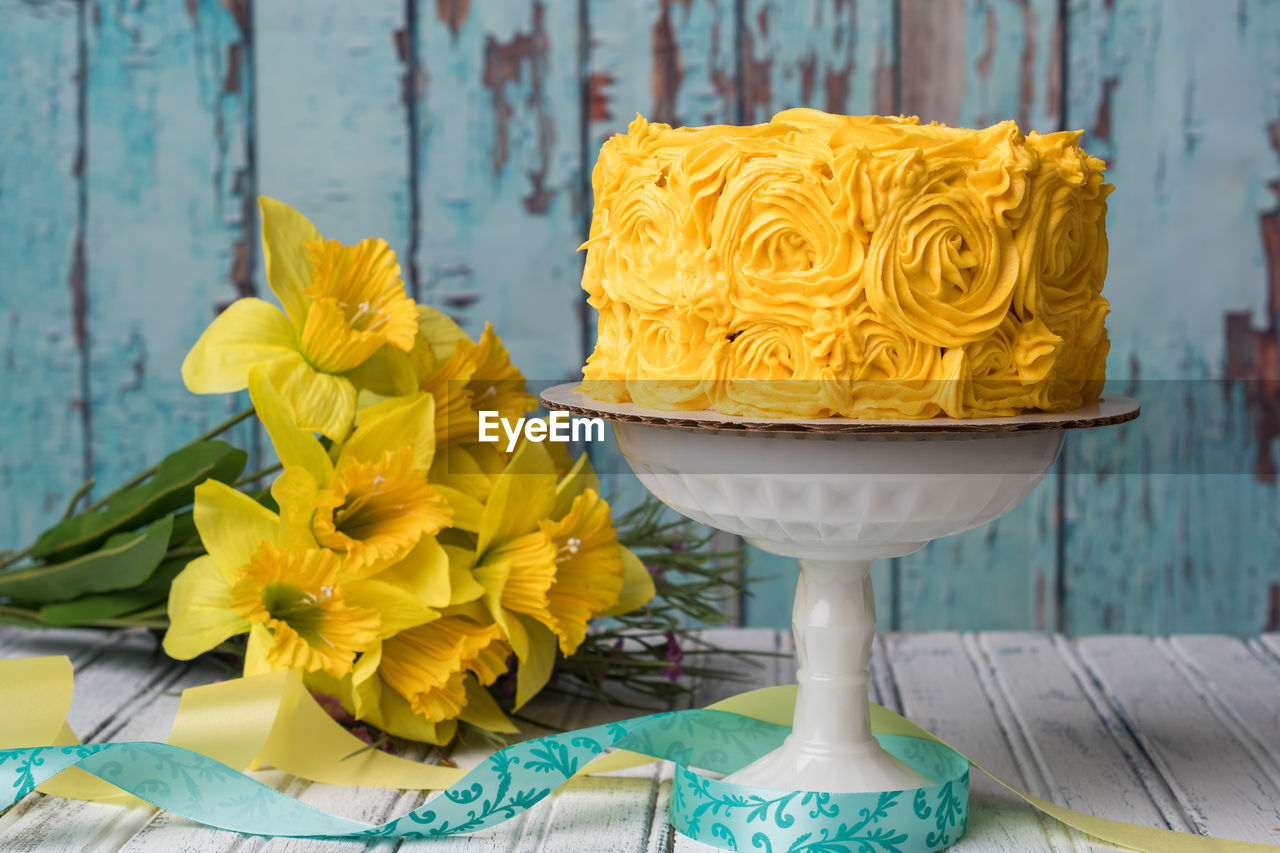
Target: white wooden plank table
(1181, 733)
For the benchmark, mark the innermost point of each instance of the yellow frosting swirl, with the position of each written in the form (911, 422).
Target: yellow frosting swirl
(860, 266)
(767, 366)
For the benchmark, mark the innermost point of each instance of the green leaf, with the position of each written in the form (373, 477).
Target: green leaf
(108, 605)
(184, 529)
(171, 487)
(123, 562)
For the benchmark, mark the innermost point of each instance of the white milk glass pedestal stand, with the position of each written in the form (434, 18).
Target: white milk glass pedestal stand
(837, 494)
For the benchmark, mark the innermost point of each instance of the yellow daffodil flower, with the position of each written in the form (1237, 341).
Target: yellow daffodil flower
(296, 597)
(466, 377)
(302, 608)
(420, 683)
(370, 500)
(342, 306)
(428, 664)
(549, 560)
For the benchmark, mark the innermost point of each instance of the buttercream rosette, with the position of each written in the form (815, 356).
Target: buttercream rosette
(859, 266)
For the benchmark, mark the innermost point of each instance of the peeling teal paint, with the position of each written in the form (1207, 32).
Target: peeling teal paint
(465, 134)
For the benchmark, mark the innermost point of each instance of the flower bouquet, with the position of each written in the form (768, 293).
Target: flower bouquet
(416, 577)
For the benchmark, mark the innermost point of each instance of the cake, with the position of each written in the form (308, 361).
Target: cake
(847, 266)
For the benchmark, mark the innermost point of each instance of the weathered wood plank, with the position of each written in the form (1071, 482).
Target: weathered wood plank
(935, 678)
(44, 433)
(983, 61)
(1178, 98)
(833, 56)
(498, 110)
(1068, 735)
(673, 62)
(1224, 785)
(1241, 684)
(334, 141)
(1271, 644)
(166, 237)
(974, 64)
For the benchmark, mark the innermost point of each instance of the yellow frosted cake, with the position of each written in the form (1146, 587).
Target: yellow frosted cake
(867, 267)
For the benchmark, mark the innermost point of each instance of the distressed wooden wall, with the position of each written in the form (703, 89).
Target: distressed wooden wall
(135, 134)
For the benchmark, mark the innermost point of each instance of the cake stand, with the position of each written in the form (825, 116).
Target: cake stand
(836, 494)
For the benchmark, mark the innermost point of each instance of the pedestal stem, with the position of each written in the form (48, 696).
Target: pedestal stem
(830, 747)
(834, 621)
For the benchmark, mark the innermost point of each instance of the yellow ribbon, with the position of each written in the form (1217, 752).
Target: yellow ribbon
(243, 723)
(272, 719)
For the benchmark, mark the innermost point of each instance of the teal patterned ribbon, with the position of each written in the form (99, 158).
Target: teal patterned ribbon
(718, 813)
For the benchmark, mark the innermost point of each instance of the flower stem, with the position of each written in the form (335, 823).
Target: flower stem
(13, 558)
(218, 430)
(156, 617)
(20, 616)
(257, 475)
(75, 499)
(222, 427)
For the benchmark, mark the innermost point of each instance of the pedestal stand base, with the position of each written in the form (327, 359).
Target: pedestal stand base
(836, 493)
(865, 767)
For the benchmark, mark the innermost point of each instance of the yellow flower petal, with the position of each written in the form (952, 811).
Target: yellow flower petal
(518, 574)
(424, 572)
(491, 460)
(400, 422)
(232, 525)
(322, 402)
(456, 468)
(297, 448)
(389, 372)
(248, 333)
(295, 493)
(579, 479)
(359, 691)
(255, 655)
(467, 511)
(561, 459)
(398, 609)
(446, 380)
(483, 711)
(374, 512)
(441, 333)
(358, 304)
(285, 232)
(536, 666)
(366, 686)
(589, 569)
(522, 496)
(496, 384)
(428, 665)
(637, 586)
(463, 586)
(200, 614)
(513, 628)
(564, 574)
(395, 716)
(297, 597)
